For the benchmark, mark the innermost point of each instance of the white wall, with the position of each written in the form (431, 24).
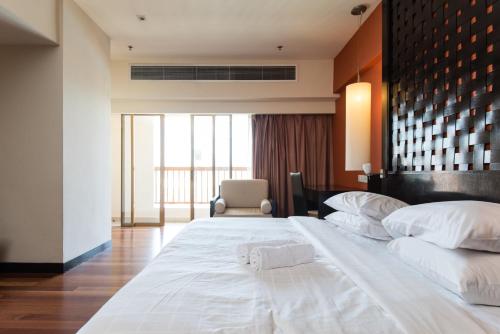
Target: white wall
(41, 17)
(30, 154)
(312, 92)
(87, 137)
(281, 106)
(55, 187)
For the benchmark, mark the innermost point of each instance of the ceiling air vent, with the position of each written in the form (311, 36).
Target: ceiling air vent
(212, 72)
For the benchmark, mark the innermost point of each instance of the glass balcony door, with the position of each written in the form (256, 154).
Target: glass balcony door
(177, 168)
(173, 164)
(241, 147)
(142, 183)
(210, 160)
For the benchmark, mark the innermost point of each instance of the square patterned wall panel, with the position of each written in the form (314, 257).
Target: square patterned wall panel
(444, 85)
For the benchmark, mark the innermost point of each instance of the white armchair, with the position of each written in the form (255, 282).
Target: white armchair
(243, 198)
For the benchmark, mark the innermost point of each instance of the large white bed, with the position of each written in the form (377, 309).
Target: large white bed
(196, 285)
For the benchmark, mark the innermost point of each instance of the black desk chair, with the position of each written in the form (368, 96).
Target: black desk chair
(300, 206)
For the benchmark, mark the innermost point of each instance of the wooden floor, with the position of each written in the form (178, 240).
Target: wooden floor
(42, 303)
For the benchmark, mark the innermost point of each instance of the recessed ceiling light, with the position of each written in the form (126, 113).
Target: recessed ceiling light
(141, 18)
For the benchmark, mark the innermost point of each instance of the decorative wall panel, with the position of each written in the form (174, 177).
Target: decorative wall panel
(444, 84)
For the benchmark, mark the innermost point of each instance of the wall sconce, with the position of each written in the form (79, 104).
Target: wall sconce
(358, 115)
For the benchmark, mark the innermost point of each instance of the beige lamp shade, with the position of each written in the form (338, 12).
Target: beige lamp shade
(358, 118)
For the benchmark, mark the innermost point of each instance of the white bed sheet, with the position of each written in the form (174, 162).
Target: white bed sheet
(416, 303)
(196, 285)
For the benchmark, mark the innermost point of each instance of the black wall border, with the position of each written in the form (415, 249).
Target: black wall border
(55, 268)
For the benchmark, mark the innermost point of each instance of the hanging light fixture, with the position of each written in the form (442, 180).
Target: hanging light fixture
(358, 114)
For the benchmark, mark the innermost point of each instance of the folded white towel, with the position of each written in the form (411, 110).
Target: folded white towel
(243, 250)
(270, 257)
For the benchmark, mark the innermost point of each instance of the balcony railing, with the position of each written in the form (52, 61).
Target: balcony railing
(177, 183)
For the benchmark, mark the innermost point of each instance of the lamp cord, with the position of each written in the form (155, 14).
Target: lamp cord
(357, 46)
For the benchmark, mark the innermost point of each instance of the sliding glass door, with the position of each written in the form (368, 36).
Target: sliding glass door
(142, 162)
(241, 147)
(177, 167)
(172, 164)
(222, 147)
(211, 159)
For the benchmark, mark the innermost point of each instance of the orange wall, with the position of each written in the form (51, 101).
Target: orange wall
(369, 40)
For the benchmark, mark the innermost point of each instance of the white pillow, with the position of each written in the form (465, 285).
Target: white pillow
(265, 206)
(473, 275)
(220, 205)
(365, 203)
(458, 224)
(364, 226)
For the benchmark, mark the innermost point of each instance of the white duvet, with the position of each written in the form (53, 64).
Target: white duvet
(196, 285)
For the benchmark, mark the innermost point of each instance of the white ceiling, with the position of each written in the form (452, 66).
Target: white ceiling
(226, 28)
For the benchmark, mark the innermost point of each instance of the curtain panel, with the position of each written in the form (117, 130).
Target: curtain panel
(292, 143)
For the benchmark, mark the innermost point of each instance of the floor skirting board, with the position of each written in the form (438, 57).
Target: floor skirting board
(26, 267)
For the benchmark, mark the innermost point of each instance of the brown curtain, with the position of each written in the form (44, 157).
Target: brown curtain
(292, 143)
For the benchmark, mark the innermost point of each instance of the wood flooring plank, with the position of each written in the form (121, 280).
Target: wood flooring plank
(62, 304)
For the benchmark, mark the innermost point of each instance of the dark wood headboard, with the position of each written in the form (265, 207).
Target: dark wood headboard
(417, 188)
(441, 105)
